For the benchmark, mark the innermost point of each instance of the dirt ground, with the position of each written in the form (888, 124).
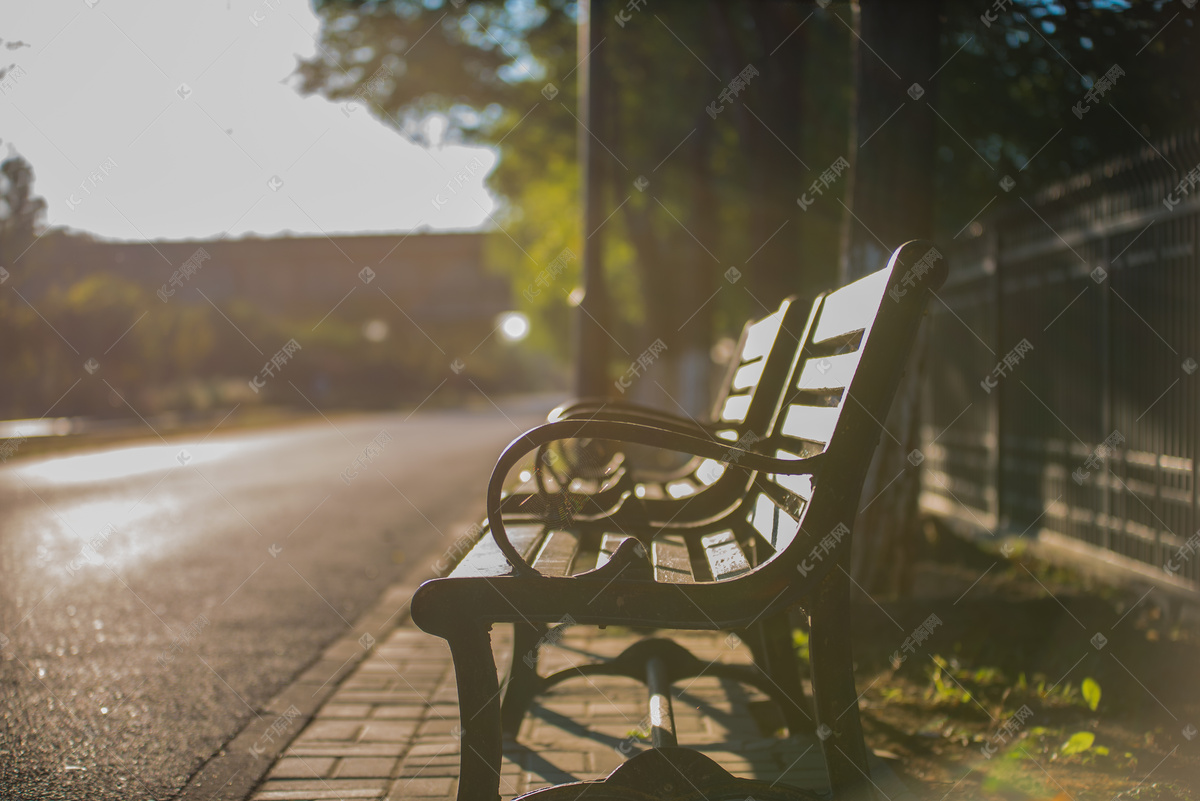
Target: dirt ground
(1028, 682)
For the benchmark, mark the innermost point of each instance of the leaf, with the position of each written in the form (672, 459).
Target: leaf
(1079, 742)
(1091, 693)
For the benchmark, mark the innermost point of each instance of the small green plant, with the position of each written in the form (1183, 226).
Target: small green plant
(1078, 742)
(800, 643)
(945, 689)
(955, 684)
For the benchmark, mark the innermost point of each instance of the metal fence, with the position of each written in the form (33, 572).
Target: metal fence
(1062, 397)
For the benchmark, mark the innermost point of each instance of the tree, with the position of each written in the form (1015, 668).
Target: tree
(21, 214)
(950, 109)
(693, 193)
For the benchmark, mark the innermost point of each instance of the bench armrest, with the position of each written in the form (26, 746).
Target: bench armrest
(603, 409)
(704, 446)
(619, 411)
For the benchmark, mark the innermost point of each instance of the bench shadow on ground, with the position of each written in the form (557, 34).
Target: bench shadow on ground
(1011, 634)
(584, 728)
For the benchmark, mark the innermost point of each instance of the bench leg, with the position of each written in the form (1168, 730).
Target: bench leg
(834, 695)
(771, 643)
(479, 713)
(523, 680)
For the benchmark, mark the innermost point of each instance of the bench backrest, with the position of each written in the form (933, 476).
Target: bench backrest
(840, 390)
(754, 382)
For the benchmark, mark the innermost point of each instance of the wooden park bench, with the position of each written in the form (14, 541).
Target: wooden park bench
(780, 540)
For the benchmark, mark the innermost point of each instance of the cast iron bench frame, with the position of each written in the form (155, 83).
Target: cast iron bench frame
(861, 336)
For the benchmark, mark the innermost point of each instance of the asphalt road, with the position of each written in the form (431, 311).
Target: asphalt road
(152, 597)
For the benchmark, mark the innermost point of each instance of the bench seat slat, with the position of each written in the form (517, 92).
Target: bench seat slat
(725, 556)
(557, 553)
(772, 520)
(485, 558)
(672, 563)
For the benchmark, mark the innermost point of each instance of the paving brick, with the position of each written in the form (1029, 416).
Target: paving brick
(318, 749)
(345, 711)
(331, 730)
(606, 760)
(430, 771)
(442, 787)
(365, 767)
(405, 696)
(424, 749)
(573, 762)
(425, 760)
(290, 790)
(314, 795)
(387, 731)
(391, 711)
(301, 768)
(395, 715)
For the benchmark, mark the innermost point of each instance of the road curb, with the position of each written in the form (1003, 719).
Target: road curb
(238, 768)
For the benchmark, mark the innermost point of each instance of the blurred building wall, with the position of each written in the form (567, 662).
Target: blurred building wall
(432, 277)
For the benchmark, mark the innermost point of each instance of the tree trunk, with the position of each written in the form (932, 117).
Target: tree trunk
(891, 202)
(768, 124)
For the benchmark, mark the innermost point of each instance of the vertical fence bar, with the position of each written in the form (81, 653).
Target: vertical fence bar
(1104, 521)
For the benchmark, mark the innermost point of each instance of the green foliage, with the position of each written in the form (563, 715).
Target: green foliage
(1011, 775)
(800, 643)
(21, 212)
(955, 684)
(1078, 742)
(1013, 88)
(719, 189)
(154, 357)
(946, 689)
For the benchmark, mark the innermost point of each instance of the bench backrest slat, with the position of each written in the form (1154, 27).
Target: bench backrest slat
(752, 386)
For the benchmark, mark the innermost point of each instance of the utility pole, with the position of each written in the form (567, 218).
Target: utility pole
(591, 336)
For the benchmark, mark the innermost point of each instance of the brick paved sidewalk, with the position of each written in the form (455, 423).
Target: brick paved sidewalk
(388, 730)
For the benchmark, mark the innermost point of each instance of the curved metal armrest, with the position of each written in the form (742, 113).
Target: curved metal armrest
(628, 432)
(618, 411)
(601, 408)
(680, 425)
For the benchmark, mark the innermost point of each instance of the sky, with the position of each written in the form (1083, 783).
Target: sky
(155, 120)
